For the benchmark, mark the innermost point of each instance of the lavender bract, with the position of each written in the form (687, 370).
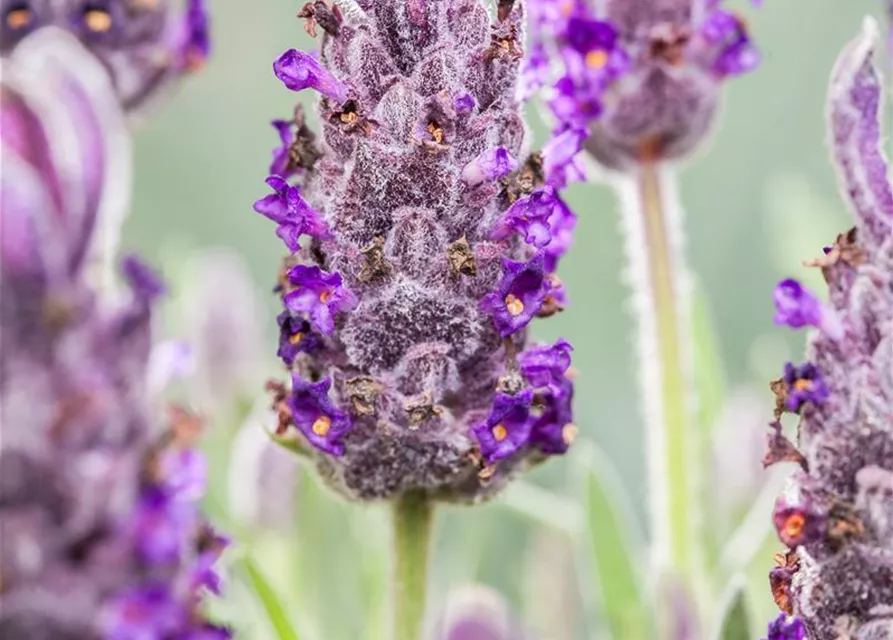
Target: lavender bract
(405, 322)
(102, 537)
(836, 514)
(144, 44)
(640, 79)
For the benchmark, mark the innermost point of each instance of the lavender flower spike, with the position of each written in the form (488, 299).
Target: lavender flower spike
(102, 536)
(404, 325)
(145, 46)
(836, 515)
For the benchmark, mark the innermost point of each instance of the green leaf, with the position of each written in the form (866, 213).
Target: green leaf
(612, 543)
(276, 614)
(734, 619)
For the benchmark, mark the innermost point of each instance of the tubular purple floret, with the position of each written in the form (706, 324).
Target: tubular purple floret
(417, 312)
(836, 516)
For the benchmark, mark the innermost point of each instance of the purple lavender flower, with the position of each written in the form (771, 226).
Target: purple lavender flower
(561, 227)
(101, 526)
(491, 164)
(797, 308)
(785, 628)
(299, 70)
(507, 428)
(519, 296)
(291, 212)
(319, 294)
(835, 514)
(799, 519)
(145, 46)
(295, 336)
(280, 165)
(553, 429)
(642, 76)
(316, 415)
(531, 216)
(560, 157)
(423, 310)
(547, 365)
(803, 384)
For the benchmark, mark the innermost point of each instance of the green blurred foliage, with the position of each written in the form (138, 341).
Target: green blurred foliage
(759, 200)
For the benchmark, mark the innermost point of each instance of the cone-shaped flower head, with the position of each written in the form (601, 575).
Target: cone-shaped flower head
(837, 513)
(424, 241)
(102, 537)
(639, 79)
(144, 44)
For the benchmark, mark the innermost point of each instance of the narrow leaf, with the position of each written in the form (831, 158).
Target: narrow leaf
(269, 600)
(734, 619)
(612, 544)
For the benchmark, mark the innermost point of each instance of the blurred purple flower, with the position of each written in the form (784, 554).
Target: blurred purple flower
(144, 46)
(109, 501)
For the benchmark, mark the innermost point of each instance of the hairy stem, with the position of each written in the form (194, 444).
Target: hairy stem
(661, 304)
(662, 266)
(413, 519)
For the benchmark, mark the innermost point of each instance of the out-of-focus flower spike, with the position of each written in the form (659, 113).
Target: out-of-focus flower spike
(262, 477)
(222, 324)
(837, 576)
(145, 47)
(107, 504)
(79, 157)
(643, 79)
(854, 111)
(477, 613)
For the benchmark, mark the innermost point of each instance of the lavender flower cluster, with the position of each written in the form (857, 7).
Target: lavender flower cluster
(144, 44)
(836, 515)
(637, 79)
(432, 239)
(102, 536)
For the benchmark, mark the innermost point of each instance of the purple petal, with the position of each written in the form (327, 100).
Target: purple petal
(299, 70)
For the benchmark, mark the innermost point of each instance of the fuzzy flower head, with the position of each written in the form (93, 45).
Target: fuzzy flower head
(404, 321)
(835, 515)
(145, 46)
(642, 77)
(102, 534)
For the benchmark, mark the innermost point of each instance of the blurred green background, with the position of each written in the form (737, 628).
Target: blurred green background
(759, 200)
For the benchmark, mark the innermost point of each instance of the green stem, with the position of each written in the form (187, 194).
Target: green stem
(413, 519)
(671, 475)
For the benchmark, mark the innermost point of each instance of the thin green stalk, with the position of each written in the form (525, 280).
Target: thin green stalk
(675, 425)
(413, 520)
